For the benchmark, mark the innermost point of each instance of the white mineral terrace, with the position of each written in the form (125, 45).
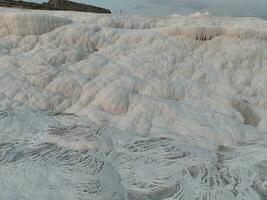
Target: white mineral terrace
(116, 107)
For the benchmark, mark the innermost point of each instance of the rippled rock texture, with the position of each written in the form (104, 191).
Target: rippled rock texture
(111, 107)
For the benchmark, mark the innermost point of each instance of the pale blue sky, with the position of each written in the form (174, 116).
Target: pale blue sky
(257, 8)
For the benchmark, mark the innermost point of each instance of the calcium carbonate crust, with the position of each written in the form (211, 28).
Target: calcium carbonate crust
(129, 107)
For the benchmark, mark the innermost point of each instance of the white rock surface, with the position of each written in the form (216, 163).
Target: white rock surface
(129, 107)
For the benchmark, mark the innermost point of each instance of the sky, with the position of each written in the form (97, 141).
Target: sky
(252, 8)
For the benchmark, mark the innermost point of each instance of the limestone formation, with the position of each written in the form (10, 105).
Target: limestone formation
(115, 107)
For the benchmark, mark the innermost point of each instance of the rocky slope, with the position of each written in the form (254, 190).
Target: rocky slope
(128, 107)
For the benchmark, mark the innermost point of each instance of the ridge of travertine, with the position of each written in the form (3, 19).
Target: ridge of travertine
(131, 107)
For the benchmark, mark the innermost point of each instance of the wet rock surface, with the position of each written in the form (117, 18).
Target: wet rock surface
(113, 107)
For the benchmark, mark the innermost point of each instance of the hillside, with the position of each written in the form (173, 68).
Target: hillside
(54, 5)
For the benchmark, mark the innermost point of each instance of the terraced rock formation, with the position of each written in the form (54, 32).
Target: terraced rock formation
(112, 107)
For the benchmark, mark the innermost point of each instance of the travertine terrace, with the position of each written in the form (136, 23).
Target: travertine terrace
(112, 107)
